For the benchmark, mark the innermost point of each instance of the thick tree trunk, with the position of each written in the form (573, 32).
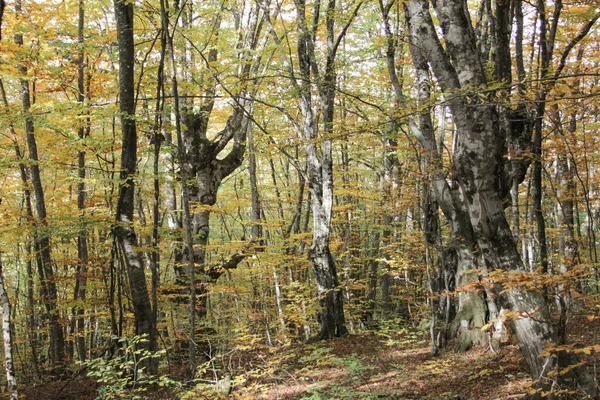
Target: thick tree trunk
(205, 163)
(472, 311)
(471, 308)
(331, 318)
(477, 168)
(320, 173)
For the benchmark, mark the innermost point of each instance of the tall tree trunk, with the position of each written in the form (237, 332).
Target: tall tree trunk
(372, 277)
(157, 140)
(320, 164)
(7, 329)
(567, 244)
(189, 242)
(459, 261)
(205, 163)
(389, 235)
(24, 174)
(257, 215)
(82, 241)
(389, 176)
(124, 229)
(42, 246)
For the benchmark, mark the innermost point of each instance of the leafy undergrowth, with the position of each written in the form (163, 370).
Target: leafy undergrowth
(366, 366)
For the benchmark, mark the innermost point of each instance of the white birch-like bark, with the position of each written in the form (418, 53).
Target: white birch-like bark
(320, 163)
(11, 377)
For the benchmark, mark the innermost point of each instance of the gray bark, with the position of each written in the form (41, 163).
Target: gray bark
(124, 230)
(320, 163)
(472, 310)
(185, 199)
(389, 176)
(477, 166)
(205, 162)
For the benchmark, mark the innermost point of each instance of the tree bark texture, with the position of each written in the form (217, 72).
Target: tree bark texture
(42, 237)
(320, 163)
(472, 311)
(124, 229)
(206, 162)
(11, 377)
(24, 174)
(82, 239)
(477, 167)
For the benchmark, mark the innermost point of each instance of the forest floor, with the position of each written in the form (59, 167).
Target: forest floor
(366, 366)
(372, 367)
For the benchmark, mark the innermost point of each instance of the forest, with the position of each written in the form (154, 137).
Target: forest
(299, 199)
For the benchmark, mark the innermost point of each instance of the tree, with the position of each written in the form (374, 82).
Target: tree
(124, 231)
(319, 165)
(7, 334)
(42, 243)
(459, 68)
(205, 161)
(82, 239)
(292, 171)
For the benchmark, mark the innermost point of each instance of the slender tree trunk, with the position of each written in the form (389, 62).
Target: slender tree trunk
(190, 253)
(82, 241)
(157, 140)
(24, 174)
(320, 166)
(537, 188)
(368, 315)
(124, 230)
(7, 329)
(257, 218)
(31, 319)
(389, 183)
(256, 212)
(390, 165)
(43, 246)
